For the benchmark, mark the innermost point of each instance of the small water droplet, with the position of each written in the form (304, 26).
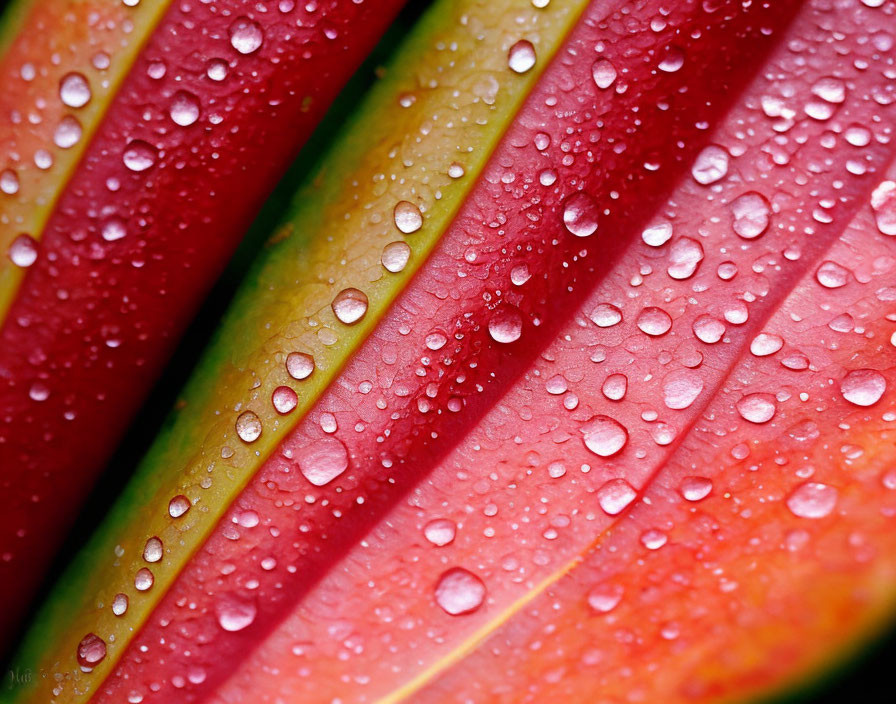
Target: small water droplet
(407, 217)
(580, 214)
(143, 580)
(506, 324)
(605, 315)
(456, 170)
(520, 274)
(396, 256)
(757, 408)
(440, 531)
(695, 488)
(23, 251)
(9, 182)
(830, 89)
(217, 69)
(156, 70)
(604, 436)
(673, 60)
(657, 235)
(654, 539)
(751, 214)
(863, 387)
(521, 57)
(654, 321)
(299, 365)
(708, 329)
(184, 108)
(284, 400)
(615, 496)
(246, 36)
(68, 133)
(349, 306)
(459, 592)
(604, 598)
(91, 651)
(153, 550)
(178, 506)
(248, 426)
(120, 604)
(615, 387)
(114, 229)
(832, 275)
(765, 344)
(603, 73)
(323, 461)
(139, 155)
(74, 90)
(710, 166)
(812, 500)
(235, 614)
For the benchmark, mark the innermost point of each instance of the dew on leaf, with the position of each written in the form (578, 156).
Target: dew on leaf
(350, 305)
(120, 604)
(153, 550)
(299, 365)
(657, 235)
(832, 275)
(756, 408)
(178, 506)
(184, 108)
(248, 426)
(91, 651)
(685, 256)
(459, 592)
(68, 133)
(681, 388)
(143, 580)
(235, 614)
(23, 251)
(765, 344)
(114, 229)
(506, 324)
(284, 400)
(440, 531)
(710, 166)
(751, 213)
(407, 217)
(139, 155)
(604, 598)
(863, 387)
(604, 436)
(614, 496)
(217, 69)
(9, 182)
(74, 90)
(580, 214)
(695, 488)
(246, 36)
(323, 461)
(603, 73)
(615, 386)
(521, 56)
(395, 256)
(812, 500)
(654, 321)
(605, 315)
(883, 203)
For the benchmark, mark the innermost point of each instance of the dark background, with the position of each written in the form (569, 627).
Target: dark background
(867, 678)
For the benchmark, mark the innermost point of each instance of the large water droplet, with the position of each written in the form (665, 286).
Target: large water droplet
(184, 108)
(440, 531)
(521, 57)
(708, 329)
(9, 182)
(673, 60)
(605, 597)
(657, 235)
(323, 461)
(235, 614)
(74, 90)
(114, 229)
(139, 155)
(681, 388)
(654, 321)
(580, 214)
(757, 408)
(605, 315)
(695, 488)
(863, 387)
(751, 214)
(615, 496)
(685, 256)
(178, 506)
(120, 604)
(284, 400)
(23, 251)
(248, 426)
(710, 166)
(615, 386)
(350, 305)
(459, 592)
(143, 580)
(603, 73)
(299, 365)
(883, 202)
(395, 256)
(832, 275)
(765, 344)
(812, 500)
(246, 36)
(604, 436)
(91, 651)
(217, 69)
(506, 324)
(153, 550)
(68, 133)
(830, 89)
(407, 217)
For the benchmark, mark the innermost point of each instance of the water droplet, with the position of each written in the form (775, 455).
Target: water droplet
(248, 426)
(156, 70)
(751, 214)
(139, 155)
(299, 365)
(603, 73)
(436, 340)
(114, 229)
(757, 408)
(506, 324)
(812, 500)
(863, 387)
(580, 214)
(604, 598)
(459, 592)
(765, 344)
(456, 170)
(23, 251)
(521, 56)
(178, 506)
(604, 436)
(654, 539)
(657, 235)
(395, 256)
(440, 531)
(615, 387)
(407, 217)
(68, 133)
(143, 580)
(685, 256)
(681, 388)
(9, 182)
(520, 274)
(710, 166)
(74, 90)
(91, 651)
(152, 551)
(120, 604)
(245, 35)
(615, 496)
(349, 306)
(39, 391)
(323, 461)
(235, 614)
(832, 275)
(184, 108)
(695, 488)
(284, 400)
(217, 69)
(708, 329)
(605, 315)
(883, 202)
(673, 60)
(654, 321)
(830, 89)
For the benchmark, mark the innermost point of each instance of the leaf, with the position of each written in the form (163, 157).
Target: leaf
(622, 428)
(138, 141)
